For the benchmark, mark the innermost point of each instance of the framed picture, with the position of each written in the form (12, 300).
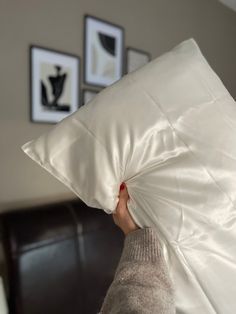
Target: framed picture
(103, 52)
(88, 94)
(54, 84)
(136, 58)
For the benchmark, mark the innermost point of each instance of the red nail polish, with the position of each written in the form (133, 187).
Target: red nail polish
(122, 186)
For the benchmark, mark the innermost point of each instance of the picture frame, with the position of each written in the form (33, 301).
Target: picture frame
(54, 84)
(103, 52)
(136, 58)
(88, 95)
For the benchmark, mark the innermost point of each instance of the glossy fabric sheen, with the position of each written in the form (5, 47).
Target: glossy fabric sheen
(169, 131)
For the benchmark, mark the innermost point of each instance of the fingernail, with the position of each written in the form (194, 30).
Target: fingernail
(122, 186)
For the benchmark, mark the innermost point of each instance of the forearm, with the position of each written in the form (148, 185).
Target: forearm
(141, 283)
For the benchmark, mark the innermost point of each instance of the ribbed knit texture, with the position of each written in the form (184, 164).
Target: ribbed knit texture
(142, 245)
(141, 284)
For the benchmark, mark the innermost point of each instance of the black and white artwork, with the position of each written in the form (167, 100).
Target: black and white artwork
(54, 84)
(88, 95)
(103, 52)
(135, 59)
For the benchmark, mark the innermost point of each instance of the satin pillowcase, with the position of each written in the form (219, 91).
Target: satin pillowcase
(168, 131)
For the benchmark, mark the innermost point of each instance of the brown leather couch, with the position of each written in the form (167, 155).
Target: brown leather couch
(61, 258)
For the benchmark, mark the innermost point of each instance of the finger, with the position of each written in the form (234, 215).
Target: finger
(122, 204)
(124, 195)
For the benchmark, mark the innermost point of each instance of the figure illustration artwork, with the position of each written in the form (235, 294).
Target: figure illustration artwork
(55, 84)
(58, 83)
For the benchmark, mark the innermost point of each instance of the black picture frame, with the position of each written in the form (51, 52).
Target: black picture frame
(90, 24)
(136, 52)
(41, 60)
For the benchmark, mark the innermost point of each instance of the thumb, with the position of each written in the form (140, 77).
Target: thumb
(124, 192)
(123, 196)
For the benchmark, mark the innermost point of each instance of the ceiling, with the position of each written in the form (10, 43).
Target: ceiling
(229, 3)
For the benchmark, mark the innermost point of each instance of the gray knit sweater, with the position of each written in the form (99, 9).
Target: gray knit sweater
(141, 284)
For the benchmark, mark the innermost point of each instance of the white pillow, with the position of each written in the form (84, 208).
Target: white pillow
(168, 130)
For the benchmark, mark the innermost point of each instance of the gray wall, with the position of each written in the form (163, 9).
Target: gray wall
(152, 25)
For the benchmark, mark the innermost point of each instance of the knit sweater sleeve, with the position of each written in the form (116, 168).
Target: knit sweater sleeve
(141, 283)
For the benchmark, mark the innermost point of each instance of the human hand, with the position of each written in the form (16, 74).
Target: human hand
(121, 216)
